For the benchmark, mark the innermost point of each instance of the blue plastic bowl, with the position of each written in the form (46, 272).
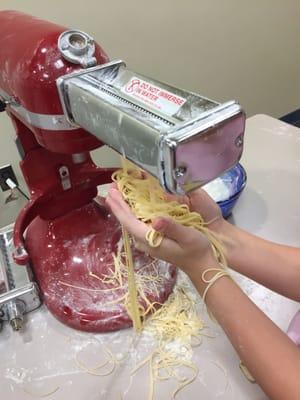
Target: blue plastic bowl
(235, 179)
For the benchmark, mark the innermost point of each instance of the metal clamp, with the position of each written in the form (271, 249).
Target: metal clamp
(78, 48)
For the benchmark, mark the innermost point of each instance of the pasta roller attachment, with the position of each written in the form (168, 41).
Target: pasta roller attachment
(183, 139)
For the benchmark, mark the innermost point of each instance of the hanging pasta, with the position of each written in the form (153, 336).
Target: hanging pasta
(147, 201)
(133, 304)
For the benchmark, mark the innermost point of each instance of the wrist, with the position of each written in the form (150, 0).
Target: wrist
(220, 226)
(195, 269)
(210, 277)
(229, 236)
(203, 277)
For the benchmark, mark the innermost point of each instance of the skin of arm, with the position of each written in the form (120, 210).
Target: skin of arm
(273, 265)
(271, 357)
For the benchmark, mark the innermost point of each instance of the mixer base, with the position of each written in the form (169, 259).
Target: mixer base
(70, 255)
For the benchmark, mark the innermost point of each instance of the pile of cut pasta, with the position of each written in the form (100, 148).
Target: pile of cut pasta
(177, 321)
(177, 328)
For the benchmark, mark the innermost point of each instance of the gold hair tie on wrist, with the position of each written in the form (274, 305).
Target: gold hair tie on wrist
(219, 274)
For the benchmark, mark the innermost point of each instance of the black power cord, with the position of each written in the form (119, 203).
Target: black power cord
(2, 106)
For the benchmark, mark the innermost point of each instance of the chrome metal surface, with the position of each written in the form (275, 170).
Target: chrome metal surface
(180, 171)
(18, 293)
(152, 124)
(205, 148)
(65, 177)
(48, 122)
(77, 47)
(79, 158)
(15, 310)
(19, 253)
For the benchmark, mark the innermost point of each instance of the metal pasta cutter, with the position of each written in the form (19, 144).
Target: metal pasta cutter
(183, 139)
(18, 293)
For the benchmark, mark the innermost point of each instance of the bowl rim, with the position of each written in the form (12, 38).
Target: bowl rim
(238, 193)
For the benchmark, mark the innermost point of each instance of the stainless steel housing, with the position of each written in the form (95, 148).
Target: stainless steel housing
(182, 138)
(19, 294)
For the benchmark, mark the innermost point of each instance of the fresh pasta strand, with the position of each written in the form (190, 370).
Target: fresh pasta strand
(41, 395)
(133, 305)
(224, 370)
(147, 201)
(175, 326)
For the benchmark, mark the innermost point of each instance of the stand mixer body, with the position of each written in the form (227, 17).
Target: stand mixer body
(68, 232)
(65, 99)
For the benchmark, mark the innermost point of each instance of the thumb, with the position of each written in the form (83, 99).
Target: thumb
(198, 196)
(169, 228)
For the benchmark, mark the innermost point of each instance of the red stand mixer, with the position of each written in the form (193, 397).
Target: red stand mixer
(65, 99)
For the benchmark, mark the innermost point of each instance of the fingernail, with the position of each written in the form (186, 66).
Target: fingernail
(113, 191)
(159, 224)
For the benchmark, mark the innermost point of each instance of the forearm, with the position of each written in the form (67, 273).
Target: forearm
(267, 352)
(275, 266)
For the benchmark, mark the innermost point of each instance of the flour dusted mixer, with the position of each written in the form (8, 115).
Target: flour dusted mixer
(65, 99)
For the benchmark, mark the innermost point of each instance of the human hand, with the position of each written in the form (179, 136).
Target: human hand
(202, 203)
(182, 246)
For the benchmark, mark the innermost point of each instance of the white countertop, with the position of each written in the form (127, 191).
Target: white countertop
(42, 358)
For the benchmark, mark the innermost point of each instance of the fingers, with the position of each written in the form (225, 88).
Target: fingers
(165, 251)
(198, 196)
(175, 235)
(172, 230)
(201, 202)
(122, 211)
(142, 247)
(179, 199)
(113, 185)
